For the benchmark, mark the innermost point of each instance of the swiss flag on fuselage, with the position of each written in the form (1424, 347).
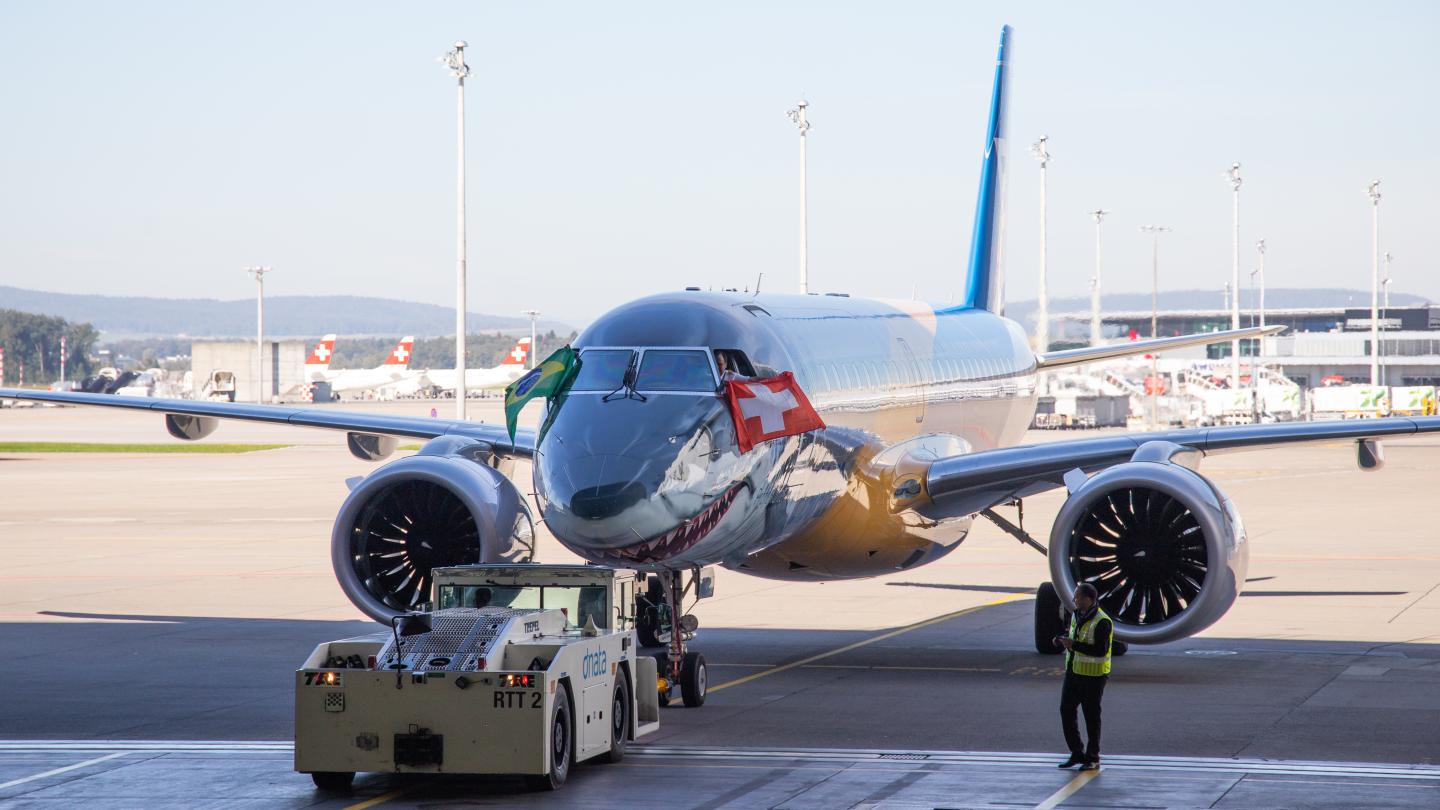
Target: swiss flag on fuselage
(768, 409)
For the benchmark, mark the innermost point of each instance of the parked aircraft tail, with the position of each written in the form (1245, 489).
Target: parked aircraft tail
(401, 356)
(519, 355)
(319, 358)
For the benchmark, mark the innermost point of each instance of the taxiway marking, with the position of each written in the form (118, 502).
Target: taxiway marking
(1071, 788)
(378, 800)
(864, 643)
(66, 769)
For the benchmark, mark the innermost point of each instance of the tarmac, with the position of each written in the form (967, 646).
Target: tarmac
(153, 608)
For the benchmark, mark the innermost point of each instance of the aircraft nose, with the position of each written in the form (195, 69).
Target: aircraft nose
(601, 487)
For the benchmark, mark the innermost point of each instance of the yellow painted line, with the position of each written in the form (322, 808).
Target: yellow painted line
(864, 643)
(1071, 788)
(381, 799)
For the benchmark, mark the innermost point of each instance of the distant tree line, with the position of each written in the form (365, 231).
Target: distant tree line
(34, 342)
(481, 350)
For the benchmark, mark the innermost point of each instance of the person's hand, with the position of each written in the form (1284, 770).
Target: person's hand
(1066, 643)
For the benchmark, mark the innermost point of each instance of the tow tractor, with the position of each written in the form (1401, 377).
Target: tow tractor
(518, 669)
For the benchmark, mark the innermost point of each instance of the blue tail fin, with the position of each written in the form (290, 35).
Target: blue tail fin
(985, 279)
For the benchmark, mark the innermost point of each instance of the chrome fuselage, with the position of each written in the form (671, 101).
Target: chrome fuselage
(654, 479)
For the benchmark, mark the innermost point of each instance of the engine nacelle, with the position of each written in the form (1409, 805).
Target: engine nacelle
(444, 505)
(1165, 549)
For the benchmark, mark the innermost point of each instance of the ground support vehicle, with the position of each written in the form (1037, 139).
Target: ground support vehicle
(519, 669)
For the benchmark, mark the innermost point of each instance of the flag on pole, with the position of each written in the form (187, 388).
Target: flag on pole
(549, 379)
(769, 409)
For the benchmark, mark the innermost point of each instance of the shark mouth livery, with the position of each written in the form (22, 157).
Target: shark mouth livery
(680, 539)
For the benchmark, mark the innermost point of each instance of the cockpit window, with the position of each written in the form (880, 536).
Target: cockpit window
(602, 369)
(675, 370)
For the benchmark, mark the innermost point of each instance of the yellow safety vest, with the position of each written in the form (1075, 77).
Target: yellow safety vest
(1082, 664)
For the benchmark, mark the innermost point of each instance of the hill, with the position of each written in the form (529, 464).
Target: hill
(303, 316)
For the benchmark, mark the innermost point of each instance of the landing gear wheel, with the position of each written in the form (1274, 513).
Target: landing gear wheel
(1049, 619)
(694, 680)
(562, 732)
(333, 781)
(619, 720)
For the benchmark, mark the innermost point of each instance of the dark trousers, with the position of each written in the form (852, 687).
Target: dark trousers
(1084, 692)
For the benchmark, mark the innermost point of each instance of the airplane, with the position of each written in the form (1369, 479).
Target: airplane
(482, 379)
(395, 368)
(640, 463)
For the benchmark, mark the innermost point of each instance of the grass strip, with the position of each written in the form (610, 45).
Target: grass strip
(106, 447)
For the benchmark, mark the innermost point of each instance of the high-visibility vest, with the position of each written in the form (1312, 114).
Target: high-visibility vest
(1082, 664)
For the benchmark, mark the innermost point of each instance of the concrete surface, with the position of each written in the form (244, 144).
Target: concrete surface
(130, 583)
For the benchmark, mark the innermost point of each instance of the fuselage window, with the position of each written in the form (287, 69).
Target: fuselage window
(675, 370)
(602, 369)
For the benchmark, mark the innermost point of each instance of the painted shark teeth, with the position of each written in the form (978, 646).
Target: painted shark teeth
(682, 537)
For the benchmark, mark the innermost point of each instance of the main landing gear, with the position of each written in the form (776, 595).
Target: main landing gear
(656, 626)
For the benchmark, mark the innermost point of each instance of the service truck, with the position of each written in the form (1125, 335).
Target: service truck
(518, 669)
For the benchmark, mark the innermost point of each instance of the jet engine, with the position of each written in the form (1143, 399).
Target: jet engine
(445, 505)
(1165, 549)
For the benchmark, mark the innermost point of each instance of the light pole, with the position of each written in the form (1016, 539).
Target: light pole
(1234, 176)
(1258, 359)
(259, 274)
(1154, 231)
(533, 313)
(1042, 324)
(1374, 193)
(1099, 215)
(455, 60)
(797, 114)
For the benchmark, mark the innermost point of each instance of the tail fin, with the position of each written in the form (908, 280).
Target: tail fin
(985, 281)
(518, 355)
(401, 356)
(319, 359)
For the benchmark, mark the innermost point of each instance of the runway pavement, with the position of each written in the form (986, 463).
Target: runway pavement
(167, 598)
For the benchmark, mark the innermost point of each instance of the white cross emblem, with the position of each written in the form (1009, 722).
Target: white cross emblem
(322, 351)
(518, 354)
(770, 406)
(400, 353)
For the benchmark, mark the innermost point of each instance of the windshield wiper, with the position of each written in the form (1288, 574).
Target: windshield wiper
(627, 382)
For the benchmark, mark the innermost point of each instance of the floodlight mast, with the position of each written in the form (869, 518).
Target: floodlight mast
(797, 115)
(1233, 174)
(533, 313)
(1374, 194)
(259, 274)
(1099, 215)
(455, 60)
(1258, 361)
(1042, 321)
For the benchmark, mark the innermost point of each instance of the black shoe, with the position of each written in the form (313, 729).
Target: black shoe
(1074, 760)
(1091, 765)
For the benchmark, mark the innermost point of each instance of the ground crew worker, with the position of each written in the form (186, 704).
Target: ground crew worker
(1087, 668)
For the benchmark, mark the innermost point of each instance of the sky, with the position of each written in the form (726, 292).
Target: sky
(621, 149)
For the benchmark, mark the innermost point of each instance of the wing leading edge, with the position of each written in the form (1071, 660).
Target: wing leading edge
(969, 483)
(410, 427)
(1091, 354)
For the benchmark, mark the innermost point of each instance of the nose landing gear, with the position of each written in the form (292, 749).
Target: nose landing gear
(657, 625)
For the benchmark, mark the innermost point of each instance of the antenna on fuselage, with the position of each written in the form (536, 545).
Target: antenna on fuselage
(758, 279)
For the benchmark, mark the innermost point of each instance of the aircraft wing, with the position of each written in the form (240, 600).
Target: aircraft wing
(410, 427)
(966, 484)
(1091, 354)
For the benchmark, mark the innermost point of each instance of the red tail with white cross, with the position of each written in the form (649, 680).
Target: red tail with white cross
(769, 409)
(319, 358)
(401, 356)
(517, 356)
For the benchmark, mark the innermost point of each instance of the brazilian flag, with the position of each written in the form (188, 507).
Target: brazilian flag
(549, 379)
